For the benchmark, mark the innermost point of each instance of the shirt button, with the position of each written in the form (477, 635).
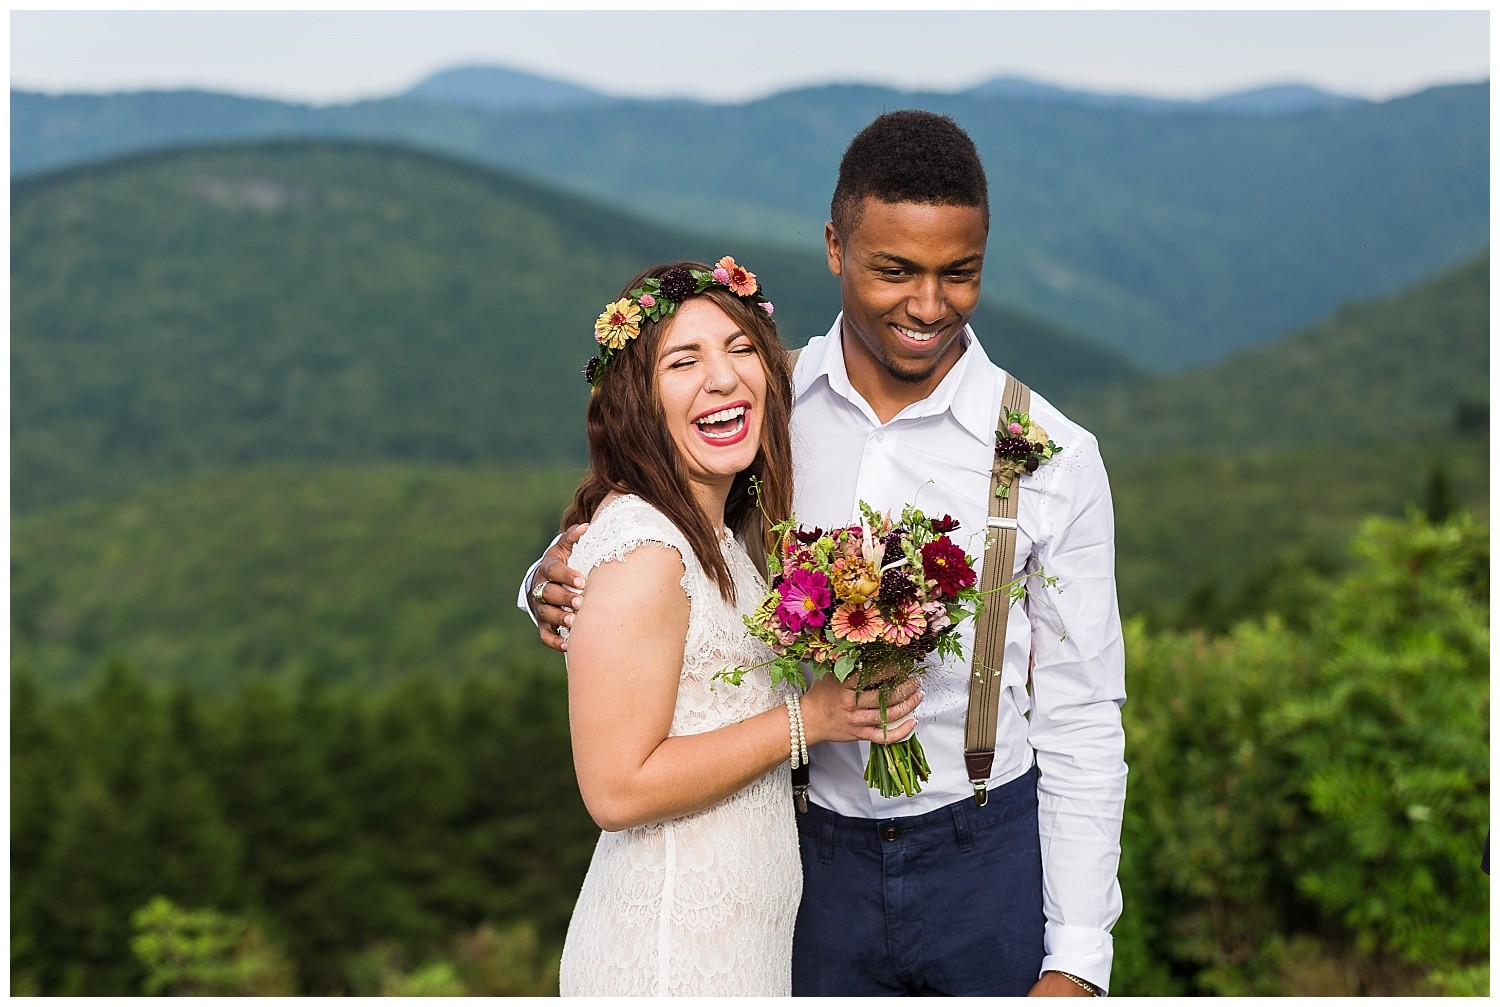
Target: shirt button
(890, 833)
(880, 436)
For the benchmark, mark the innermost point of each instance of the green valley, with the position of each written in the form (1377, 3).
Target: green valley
(375, 573)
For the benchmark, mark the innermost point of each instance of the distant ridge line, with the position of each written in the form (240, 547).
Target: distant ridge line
(547, 197)
(1004, 86)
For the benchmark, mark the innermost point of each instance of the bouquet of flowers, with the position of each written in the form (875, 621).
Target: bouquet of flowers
(872, 600)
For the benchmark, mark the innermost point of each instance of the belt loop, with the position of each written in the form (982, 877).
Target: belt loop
(825, 844)
(961, 830)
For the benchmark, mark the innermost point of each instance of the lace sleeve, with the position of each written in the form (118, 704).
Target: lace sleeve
(624, 525)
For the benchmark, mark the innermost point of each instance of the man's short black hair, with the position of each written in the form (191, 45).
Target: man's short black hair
(909, 156)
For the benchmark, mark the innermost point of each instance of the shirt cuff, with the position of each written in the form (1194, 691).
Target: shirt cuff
(523, 602)
(1079, 951)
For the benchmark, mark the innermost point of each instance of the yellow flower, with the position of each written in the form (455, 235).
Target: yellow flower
(619, 323)
(855, 580)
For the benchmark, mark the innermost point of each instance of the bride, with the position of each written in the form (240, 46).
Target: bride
(694, 885)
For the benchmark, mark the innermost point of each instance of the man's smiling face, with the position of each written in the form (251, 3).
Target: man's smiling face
(909, 276)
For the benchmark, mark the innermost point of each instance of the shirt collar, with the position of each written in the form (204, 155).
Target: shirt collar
(967, 391)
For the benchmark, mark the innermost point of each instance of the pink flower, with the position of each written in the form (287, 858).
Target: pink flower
(860, 623)
(936, 614)
(646, 301)
(721, 275)
(905, 624)
(804, 596)
(768, 308)
(1016, 429)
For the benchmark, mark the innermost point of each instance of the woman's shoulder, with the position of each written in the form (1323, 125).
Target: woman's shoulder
(621, 525)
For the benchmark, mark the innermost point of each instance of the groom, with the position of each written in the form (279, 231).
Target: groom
(898, 403)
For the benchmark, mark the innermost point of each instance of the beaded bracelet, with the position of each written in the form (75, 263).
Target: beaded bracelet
(798, 731)
(802, 734)
(792, 703)
(1088, 987)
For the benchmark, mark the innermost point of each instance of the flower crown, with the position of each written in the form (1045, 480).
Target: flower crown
(657, 298)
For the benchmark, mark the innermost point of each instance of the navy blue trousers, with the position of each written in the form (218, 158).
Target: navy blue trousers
(946, 903)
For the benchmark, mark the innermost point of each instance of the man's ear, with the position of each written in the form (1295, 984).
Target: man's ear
(835, 250)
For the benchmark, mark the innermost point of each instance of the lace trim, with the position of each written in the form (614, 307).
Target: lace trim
(622, 526)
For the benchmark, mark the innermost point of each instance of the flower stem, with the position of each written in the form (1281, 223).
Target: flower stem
(899, 768)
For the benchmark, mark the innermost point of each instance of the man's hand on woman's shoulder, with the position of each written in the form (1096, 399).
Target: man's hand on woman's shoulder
(557, 591)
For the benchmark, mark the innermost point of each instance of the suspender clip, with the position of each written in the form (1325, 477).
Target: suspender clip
(981, 792)
(799, 795)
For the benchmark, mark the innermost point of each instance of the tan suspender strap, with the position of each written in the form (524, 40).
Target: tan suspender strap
(989, 632)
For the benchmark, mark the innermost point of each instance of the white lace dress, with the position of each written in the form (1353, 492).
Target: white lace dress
(701, 905)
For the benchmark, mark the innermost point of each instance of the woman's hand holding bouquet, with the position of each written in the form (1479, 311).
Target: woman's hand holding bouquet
(830, 711)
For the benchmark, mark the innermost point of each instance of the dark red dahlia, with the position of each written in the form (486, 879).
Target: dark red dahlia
(808, 537)
(677, 284)
(946, 565)
(945, 524)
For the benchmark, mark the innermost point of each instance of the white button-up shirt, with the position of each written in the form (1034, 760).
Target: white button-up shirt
(938, 453)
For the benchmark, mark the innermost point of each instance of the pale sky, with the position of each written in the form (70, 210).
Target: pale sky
(736, 55)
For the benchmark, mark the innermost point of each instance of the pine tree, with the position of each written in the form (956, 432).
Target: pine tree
(137, 820)
(304, 867)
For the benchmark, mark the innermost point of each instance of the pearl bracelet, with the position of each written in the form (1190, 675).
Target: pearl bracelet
(798, 732)
(802, 734)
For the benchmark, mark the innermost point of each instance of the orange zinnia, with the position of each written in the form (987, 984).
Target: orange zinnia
(741, 280)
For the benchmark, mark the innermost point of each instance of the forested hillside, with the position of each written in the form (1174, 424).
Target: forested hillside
(1307, 811)
(370, 573)
(1415, 365)
(317, 302)
(365, 573)
(1174, 236)
(307, 306)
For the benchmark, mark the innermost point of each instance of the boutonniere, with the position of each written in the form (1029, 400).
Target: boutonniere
(1021, 447)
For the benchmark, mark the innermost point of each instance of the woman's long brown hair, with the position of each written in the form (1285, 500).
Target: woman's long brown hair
(630, 450)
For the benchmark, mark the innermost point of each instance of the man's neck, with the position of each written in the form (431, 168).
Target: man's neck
(887, 394)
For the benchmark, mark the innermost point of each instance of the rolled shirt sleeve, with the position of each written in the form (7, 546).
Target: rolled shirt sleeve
(1078, 686)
